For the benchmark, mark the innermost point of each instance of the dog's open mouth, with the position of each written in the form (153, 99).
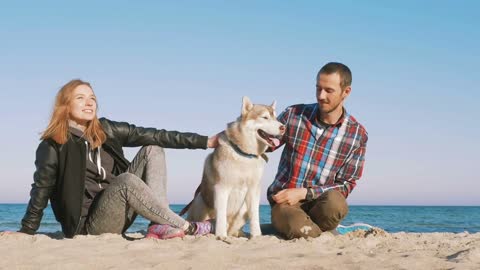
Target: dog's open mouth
(270, 139)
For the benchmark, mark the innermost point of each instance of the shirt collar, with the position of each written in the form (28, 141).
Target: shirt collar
(339, 122)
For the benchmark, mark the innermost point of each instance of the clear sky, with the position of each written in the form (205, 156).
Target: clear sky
(185, 65)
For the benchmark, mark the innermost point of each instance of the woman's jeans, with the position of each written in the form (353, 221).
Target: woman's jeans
(141, 190)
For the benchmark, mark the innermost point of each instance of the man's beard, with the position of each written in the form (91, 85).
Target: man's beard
(329, 110)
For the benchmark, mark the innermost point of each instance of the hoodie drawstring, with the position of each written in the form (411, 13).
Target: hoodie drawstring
(100, 169)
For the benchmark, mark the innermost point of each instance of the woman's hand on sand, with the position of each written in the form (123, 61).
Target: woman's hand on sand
(213, 141)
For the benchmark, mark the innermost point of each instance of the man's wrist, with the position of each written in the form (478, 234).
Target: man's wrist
(309, 196)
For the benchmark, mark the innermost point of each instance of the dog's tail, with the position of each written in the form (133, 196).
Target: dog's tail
(185, 209)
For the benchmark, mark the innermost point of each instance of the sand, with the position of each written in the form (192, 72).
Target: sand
(370, 250)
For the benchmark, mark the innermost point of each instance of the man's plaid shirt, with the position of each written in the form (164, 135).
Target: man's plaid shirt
(319, 155)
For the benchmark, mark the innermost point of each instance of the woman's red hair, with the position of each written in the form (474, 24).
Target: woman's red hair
(57, 129)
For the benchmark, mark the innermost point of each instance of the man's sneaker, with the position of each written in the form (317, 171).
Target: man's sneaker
(354, 227)
(164, 231)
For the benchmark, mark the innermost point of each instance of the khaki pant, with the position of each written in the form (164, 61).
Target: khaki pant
(309, 219)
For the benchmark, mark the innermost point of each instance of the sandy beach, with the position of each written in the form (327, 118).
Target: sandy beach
(374, 249)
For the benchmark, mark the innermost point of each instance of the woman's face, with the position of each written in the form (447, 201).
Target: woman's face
(84, 105)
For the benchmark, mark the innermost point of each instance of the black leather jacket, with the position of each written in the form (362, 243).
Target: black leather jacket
(60, 169)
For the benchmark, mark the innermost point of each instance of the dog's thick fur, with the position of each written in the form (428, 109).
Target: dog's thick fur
(230, 188)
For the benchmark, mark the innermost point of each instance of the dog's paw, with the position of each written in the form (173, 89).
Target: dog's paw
(237, 234)
(253, 236)
(241, 234)
(255, 232)
(221, 238)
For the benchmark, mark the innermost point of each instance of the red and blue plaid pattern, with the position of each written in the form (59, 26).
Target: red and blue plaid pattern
(318, 155)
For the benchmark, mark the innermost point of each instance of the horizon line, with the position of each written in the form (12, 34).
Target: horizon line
(374, 205)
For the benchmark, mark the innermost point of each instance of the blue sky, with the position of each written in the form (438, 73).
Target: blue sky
(185, 65)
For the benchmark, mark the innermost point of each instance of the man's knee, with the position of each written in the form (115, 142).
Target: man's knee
(329, 209)
(292, 222)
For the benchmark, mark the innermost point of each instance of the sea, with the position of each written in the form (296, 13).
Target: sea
(421, 219)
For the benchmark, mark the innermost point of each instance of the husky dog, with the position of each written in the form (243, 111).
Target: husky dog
(230, 188)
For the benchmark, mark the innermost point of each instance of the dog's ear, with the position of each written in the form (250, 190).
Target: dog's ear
(274, 104)
(246, 105)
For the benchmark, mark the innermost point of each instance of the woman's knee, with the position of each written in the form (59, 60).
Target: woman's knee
(153, 150)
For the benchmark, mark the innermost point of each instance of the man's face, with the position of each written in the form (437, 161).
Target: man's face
(330, 95)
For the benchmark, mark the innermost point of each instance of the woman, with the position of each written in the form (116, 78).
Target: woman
(93, 189)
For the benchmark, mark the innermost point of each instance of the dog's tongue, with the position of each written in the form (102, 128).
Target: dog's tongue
(275, 141)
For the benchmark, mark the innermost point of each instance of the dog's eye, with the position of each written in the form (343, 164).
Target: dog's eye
(265, 117)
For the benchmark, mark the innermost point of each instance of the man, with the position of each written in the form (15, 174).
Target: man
(322, 160)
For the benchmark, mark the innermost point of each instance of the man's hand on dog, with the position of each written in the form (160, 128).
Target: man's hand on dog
(291, 196)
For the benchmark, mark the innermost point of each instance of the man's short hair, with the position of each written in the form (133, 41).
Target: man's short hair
(341, 69)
